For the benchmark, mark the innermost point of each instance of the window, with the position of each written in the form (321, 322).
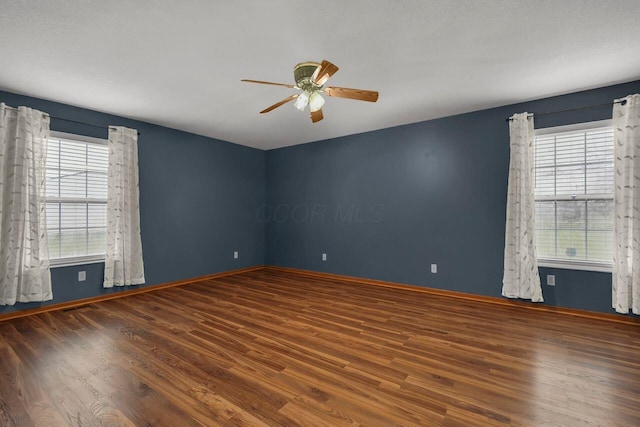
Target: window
(76, 198)
(573, 173)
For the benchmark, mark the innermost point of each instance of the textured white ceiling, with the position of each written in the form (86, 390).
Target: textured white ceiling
(179, 63)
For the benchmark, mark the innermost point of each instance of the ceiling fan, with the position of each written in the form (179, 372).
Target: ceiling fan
(310, 78)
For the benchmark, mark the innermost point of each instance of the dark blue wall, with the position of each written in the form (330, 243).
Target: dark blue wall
(386, 204)
(382, 205)
(198, 199)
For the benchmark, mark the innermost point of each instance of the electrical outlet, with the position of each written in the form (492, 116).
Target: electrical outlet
(434, 268)
(82, 276)
(324, 257)
(551, 280)
(235, 255)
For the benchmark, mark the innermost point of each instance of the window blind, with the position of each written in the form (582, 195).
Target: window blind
(573, 173)
(76, 189)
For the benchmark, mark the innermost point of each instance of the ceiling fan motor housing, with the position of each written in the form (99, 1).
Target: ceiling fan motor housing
(302, 74)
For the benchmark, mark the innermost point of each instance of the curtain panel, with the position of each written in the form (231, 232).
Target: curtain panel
(626, 254)
(123, 257)
(24, 255)
(521, 278)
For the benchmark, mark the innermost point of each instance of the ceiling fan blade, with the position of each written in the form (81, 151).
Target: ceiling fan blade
(268, 83)
(325, 70)
(277, 104)
(316, 116)
(359, 94)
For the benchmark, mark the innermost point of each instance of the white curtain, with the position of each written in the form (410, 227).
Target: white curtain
(24, 255)
(521, 278)
(123, 258)
(626, 254)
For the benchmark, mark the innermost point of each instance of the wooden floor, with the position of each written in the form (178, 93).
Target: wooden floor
(272, 348)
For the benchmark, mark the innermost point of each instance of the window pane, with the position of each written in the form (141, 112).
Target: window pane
(54, 243)
(546, 243)
(600, 145)
(600, 230)
(52, 177)
(545, 215)
(545, 220)
(570, 180)
(53, 216)
(53, 153)
(97, 185)
(73, 155)
(97, 215)
(545, 181)
(98, 157)
(571, 244)
(73, 243)
(73, 184)
(571, 229)
(545, 151)
(600, 245)
(97, 241)
(570, 148)
(600, 178)
(571, 215)
(600, 214)
(74, 215)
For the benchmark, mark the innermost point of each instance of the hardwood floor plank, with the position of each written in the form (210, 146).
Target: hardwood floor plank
(277, 348)
(13, 411)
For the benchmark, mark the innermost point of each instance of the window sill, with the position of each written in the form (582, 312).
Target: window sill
(573, 265)
(68, 262)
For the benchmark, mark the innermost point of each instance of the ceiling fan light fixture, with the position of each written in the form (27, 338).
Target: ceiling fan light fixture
(302, 100)
(316, 101)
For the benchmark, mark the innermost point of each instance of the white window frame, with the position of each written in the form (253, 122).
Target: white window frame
(80, 260)
(561, 263)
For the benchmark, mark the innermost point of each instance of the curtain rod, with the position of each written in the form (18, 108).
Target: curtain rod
(618, 101)
(71, 121)
(83, 123)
